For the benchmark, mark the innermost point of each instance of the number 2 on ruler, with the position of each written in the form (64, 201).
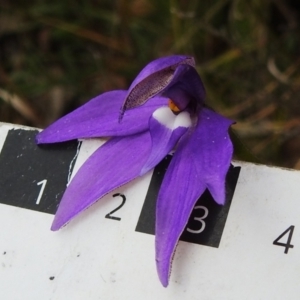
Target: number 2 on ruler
(109, 215)
(43, 184)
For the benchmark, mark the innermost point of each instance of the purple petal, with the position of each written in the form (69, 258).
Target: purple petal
(117, 162)
(166, 129)
(186, 88)
(201, 160)
(99, 118)
(153, 79)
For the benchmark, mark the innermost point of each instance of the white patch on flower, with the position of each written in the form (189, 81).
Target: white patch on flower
(166, 117)
(183, 120)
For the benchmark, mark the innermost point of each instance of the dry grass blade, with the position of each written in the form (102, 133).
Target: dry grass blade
(21, 106)
(85, 33)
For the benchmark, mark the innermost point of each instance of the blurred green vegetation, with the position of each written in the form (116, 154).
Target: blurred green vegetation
(54, 56)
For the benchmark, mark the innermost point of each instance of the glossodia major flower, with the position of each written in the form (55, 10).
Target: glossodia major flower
(163, 109)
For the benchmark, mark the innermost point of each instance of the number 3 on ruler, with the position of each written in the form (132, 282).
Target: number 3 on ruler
(200, 219)
(43, 183)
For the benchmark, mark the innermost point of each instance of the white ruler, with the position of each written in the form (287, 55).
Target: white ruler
(249, 249)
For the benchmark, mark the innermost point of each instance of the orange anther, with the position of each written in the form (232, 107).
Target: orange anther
(173, 106)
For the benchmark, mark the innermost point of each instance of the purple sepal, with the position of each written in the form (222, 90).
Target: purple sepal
(213, 151)
(99, 118)
(117, 162)
(201, 161)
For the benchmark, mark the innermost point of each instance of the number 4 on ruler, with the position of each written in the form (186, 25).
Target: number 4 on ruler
(288, 244)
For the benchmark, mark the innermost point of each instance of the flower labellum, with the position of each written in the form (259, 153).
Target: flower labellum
(163, 108)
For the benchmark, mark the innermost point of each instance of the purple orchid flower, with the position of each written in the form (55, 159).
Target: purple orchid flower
(163, 109)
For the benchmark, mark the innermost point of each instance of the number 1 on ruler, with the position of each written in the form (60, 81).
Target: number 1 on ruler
(43, 183)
